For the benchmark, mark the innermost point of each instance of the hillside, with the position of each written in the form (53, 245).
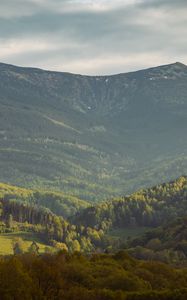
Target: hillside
(151, 223)
(93, 137)
(124, 222)
(166, 243)
(44, 226)
(58, 202)
(150, 207)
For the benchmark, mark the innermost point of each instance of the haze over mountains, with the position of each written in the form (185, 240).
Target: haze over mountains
(92, 136)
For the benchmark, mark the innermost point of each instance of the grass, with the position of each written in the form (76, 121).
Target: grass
(126, 233)
(6, 240)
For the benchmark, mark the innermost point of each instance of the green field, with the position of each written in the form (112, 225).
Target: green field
(126, 233)
(6, 240)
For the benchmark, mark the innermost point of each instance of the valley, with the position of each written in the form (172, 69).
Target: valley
(93, 186)
(93, 150)
(92, 137)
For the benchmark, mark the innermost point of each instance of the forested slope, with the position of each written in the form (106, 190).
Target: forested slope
(50, 228)
(58, 202)
(147, 207)
(166, 243)
(98, 277)
(93, 137)
(87, 228)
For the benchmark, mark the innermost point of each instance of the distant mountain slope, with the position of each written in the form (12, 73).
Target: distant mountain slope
(92, 136)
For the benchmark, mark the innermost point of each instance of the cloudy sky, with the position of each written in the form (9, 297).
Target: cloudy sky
(93, 36)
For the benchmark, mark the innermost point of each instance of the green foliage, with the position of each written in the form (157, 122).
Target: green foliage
(34, 248)
(49, 227)
(58, 202)
(17, 246)
(97, 277)
(166, 243)
(96, 228)
(145, 208)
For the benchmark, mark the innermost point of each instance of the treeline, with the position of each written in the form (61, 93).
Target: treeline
(148, 207)
(49, 227)
(97, 277)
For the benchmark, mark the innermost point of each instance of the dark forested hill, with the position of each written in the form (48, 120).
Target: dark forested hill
(166, 243)
(92, 136)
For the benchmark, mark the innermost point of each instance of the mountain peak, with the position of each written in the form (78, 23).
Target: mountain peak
(169, 71)
(176, 65)
(180, 64)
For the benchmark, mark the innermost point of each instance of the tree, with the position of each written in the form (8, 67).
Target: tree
(59, 246)
(74, 246)
(18, 246)
(154, 244)
(34, 248)
(9, 221)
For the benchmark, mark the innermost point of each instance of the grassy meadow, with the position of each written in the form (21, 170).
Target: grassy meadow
(6, 240)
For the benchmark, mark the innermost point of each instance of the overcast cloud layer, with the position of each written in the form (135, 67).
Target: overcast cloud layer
(93, 36)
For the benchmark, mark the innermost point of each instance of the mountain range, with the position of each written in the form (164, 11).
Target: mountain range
(93, 137)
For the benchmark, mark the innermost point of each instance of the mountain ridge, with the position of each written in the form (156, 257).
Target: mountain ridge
(179, 64)
(94, 137)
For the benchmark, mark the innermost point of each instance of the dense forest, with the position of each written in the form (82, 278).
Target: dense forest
(166, 243)
(96, 277)
(147, 207)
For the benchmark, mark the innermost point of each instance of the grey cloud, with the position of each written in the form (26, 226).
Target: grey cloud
(145, 28)
(163, 3)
